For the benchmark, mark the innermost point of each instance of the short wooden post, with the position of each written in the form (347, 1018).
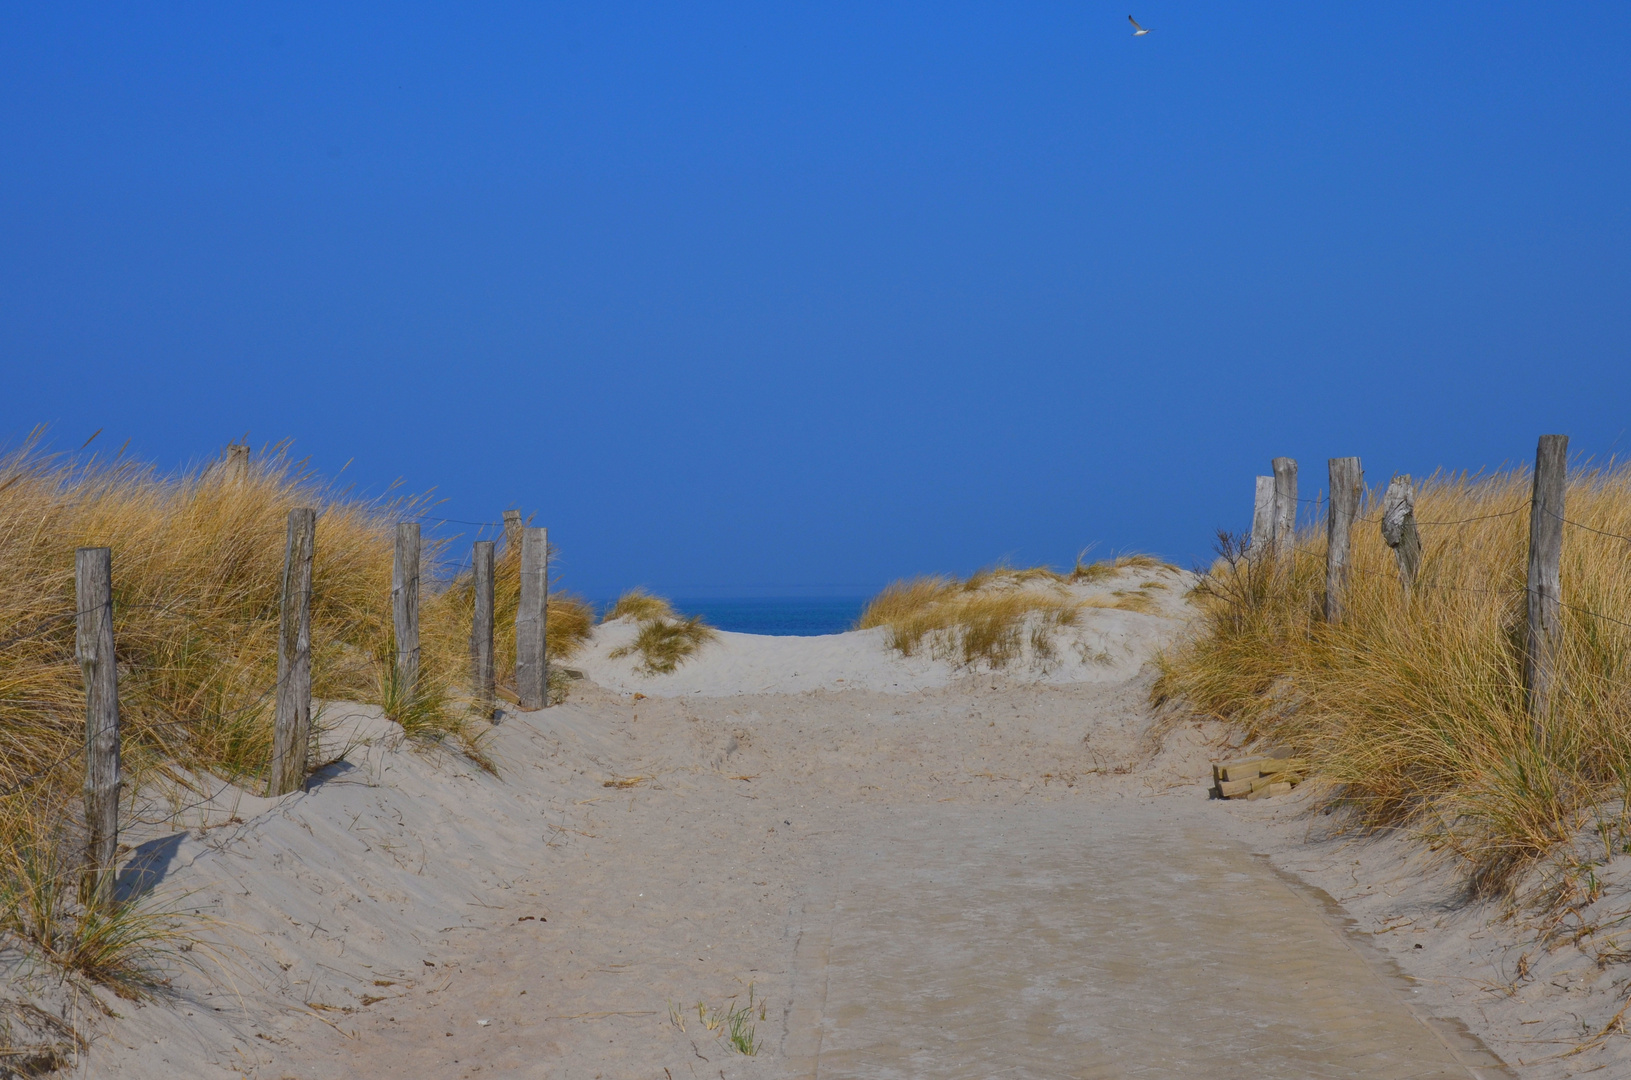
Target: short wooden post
(1263, 516)
(405, 606)
(1347, 482)
(1545, 623)
(481, 631)
(237, 465)
(531, 663)
(93, 647)
(1285, 501)
(1399, 529)
(512, 533)
(291, 728)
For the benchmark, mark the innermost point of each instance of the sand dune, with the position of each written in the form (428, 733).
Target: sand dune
(907, 868)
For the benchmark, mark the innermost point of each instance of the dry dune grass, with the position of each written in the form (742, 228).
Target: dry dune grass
(197, 566)
(991, 615)
(1109, 568)
(664, 640)
(197, 569)
(1412, 706)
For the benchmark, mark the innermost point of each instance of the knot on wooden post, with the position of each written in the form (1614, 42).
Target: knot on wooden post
(1399, 528)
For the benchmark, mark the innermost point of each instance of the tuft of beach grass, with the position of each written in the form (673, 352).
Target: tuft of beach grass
(1412, 706)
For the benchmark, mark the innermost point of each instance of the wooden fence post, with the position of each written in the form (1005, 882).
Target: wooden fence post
(1399, 529)
(237, 469)
(291, 730)
(93, 647)
(1285, 502)
(1545, 590)
(1263, 516)
(481, 630)
(405, 606)
(1347, 482)
(512, 533)
(531, 663)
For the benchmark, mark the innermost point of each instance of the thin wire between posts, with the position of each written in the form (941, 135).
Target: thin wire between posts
(456, 521)
(1589, 528)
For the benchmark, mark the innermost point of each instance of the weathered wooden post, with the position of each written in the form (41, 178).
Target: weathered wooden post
(237, 465)
(93, 647)
(481, 630)
(405, 606)
(1399, 529)
(1285, 502)
(1347, 482)
(1262, 516)
(291, 729)
(531, 664)
(1545, 623)
(512, 533)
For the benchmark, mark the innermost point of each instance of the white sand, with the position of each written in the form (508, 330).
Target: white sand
(1106, 645)
(368, 927)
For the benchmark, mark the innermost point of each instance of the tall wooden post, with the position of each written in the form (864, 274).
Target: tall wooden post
(1263, 516)
(93, 647)
(512, 533)
(531, 663)
(1399, 529)
(1285, 501)
(405, 606)
(1347, 483)
(291, 729)
(1545, 606)
(481, 630)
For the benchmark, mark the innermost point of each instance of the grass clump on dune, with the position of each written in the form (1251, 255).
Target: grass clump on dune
(988, 617)
(992, 615)
(1104, 569)
(664, 639)
(1412, 706)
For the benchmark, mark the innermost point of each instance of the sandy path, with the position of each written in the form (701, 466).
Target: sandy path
(1115, 938)
(989, 877)
(962, 883)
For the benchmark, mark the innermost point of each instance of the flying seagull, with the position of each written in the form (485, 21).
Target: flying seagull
(1138, 31)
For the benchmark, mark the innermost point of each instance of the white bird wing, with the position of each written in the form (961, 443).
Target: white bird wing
(1134, 21)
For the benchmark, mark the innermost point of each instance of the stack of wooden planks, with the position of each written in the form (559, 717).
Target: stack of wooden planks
(1273, 772)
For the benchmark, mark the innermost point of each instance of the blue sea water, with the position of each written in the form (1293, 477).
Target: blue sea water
(795, 616)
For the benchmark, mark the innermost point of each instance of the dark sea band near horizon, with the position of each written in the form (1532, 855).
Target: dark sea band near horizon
(780, 616)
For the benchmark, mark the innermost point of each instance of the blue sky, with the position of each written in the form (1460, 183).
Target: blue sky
(749, 297)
